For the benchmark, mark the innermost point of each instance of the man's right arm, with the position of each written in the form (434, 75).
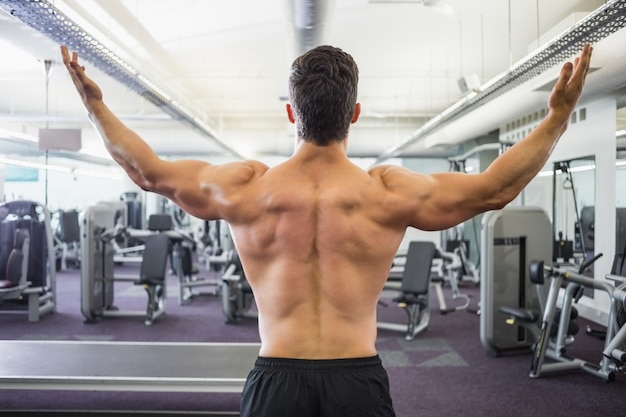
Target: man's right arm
(202, 189)
(440, 201)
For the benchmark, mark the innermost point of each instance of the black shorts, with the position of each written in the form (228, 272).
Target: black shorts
(278, 387)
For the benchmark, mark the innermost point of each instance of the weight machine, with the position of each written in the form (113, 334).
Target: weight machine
(612, 358)
(237, 296)
(27, 259)
(453, 268)
(413, 287)
(98, 275)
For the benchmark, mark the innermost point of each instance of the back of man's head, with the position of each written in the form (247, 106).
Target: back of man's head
(323, 92)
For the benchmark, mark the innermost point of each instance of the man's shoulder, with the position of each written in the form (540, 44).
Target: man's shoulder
(257, 166)
(384, 171)
(252, 167)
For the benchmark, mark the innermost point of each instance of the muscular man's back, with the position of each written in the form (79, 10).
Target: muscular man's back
(316, 236)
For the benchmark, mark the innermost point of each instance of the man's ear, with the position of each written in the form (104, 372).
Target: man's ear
(357, 113)
(290, 113)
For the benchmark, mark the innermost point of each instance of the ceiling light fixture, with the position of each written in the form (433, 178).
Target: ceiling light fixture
(61, 168)
(44, 17)
(37, 165)
(601, 23)
(17, 136)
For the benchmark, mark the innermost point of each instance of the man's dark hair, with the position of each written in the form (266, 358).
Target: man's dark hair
(322, 91)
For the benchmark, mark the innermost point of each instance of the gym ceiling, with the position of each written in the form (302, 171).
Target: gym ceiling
(212, 74)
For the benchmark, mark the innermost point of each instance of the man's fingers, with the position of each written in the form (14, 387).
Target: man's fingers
(65, 55)
(577, 70)
(581, 64)
(79, 72)
(584, 59)
(70, 63)
(564, 76)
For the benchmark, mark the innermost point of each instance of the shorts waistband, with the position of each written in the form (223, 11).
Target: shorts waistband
(318, 364)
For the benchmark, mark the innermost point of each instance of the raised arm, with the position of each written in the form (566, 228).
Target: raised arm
(443, 200)
(199, 188)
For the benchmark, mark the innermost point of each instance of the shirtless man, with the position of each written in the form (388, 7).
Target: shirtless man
(316, 234)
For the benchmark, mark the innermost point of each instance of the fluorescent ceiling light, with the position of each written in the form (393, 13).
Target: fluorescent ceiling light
(44, 17)
(601, 23)
(60, 168)
(37, 165)
(12, 135)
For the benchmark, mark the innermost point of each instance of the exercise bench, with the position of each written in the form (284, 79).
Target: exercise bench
(414, 290)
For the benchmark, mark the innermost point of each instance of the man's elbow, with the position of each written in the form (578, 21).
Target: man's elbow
(140, 180)
(500, 201)
(499, 205)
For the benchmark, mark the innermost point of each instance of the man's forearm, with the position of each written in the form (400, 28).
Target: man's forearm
(516, 167)
(127, 149)
(513, 170)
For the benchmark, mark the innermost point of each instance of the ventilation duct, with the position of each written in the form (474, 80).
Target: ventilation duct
(603, 22)
(50, 21)
(308, 19)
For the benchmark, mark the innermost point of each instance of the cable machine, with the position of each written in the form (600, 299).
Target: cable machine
(563, 249)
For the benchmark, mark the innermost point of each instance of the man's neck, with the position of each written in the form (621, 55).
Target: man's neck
(308, 150)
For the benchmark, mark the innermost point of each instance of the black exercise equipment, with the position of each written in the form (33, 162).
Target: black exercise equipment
(28, 223)
(152, 274)
(98, 274)
(561, 360)
(14, 269)
(236, 293)
(68, 237)
(188, 273)
(530, 318)
(414, 290)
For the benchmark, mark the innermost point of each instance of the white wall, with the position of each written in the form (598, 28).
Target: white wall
(620, 181)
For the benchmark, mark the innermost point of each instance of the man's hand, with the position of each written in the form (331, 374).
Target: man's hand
(87, 89)
(569, 86)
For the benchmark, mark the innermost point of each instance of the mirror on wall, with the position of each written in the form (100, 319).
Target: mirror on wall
(573, 211)
(619, 260)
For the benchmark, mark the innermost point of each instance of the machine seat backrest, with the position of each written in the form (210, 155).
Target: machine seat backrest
(185, 255)
(160, 222)
(154, 261)
(416, 275)
(16, 266)
(70, 226)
